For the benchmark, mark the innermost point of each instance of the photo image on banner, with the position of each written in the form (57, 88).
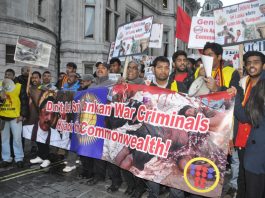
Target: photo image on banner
(239, 23)
(133, 38)
(32, 52)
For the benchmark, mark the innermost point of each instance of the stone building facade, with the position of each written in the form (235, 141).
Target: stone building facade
(80, 31)
(209, 6)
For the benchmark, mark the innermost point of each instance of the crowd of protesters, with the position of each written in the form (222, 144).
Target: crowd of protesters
(247, 161)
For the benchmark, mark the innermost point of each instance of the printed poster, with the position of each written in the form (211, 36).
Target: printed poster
(32, 52)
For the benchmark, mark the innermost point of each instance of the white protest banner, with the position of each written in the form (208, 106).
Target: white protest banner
(239, 23)
(255, 46)
(231, 56)
(156, 36)
(133, 38)
(32, 52)
(201, 31)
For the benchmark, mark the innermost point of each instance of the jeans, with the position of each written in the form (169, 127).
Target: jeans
(16, 129)
(234, 169)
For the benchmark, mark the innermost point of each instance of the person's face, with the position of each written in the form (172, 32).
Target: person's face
(216, 58)
(254, 66)
(46, 78)
(180, 63)
(147, 27)
(262, 9)
(69, 70)
(25, 72)
(71, 78)
(45, 119)
(85, 83)
(161, 71)
(238, 33)
(132, 71)
(102, 71)
(189, 64)
(35, 80)
(115, 68)
(191, 112)
(9, 75)
(61, 76)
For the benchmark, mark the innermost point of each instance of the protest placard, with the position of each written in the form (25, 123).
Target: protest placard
(201, 31)
(111, 49)
(32, 52)
(133, 38)
(156, 35)
(239, 23)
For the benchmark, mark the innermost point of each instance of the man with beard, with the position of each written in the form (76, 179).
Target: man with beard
(86, 81)
(72, 82)
(136, 186)
(161, 71)
(181, 73)
(44, 135)
(23, 78)
(102, 80)
(162, 79)
(46, 81)
(254, 64)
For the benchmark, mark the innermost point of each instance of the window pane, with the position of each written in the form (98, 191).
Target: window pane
(116, 23)
(10, 51)
(88, 68)
(90, 1)
(90, 18)
(165, 37)
(116, 5)
(164, 4)
(107, 29)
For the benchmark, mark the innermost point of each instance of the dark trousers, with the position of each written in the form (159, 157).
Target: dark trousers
(241, 180)
(255, 185)
(129, 178)
(114, 174)
(87, 166)
(99, 169)
(43, 150)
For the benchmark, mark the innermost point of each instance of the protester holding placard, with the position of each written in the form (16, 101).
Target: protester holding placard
(223, 76)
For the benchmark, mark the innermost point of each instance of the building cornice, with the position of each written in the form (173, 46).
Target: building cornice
(28, 25)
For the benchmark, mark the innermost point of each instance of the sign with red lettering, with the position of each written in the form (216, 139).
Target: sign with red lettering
(201, 31)
(239, 23)
(156, 134)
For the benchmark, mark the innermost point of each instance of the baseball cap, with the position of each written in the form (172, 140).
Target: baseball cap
(104, 64)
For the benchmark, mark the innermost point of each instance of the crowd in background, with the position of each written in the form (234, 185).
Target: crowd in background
(247, 162)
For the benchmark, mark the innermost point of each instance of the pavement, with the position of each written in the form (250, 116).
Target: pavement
(31, 181)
